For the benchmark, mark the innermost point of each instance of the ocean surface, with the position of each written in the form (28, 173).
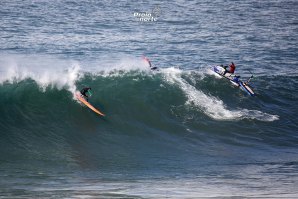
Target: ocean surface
(178, 132)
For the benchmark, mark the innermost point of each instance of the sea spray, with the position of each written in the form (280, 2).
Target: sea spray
(44, 70)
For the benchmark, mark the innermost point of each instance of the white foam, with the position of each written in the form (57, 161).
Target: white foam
(45, 71)
(210, 105)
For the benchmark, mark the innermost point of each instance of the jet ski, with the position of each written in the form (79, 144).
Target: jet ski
(234, 79)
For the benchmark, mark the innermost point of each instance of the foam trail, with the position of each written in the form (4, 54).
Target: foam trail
(211, 106)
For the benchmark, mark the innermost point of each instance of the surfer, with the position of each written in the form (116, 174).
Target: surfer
(231, 69)
(84, 91)
(150, 65)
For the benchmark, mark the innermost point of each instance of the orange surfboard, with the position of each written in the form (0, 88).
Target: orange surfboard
(82, 99)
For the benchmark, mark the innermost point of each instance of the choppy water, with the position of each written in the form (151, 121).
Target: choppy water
(179, 132)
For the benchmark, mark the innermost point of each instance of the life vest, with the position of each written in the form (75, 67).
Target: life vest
(232, 68)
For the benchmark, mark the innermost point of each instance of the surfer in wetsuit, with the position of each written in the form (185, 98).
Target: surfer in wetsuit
(84, 91)
(150, 65)
(231, 69)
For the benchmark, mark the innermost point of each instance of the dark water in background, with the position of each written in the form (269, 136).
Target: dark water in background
(179, 132)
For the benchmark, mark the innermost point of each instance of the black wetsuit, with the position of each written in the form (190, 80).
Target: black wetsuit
(151, 67)
(84, 91)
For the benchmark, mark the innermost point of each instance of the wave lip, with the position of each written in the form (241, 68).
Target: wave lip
(45, 71)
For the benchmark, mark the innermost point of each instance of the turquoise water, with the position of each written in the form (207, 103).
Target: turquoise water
(179, 132)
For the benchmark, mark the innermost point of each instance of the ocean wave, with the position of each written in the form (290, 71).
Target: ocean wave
(61, 74)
